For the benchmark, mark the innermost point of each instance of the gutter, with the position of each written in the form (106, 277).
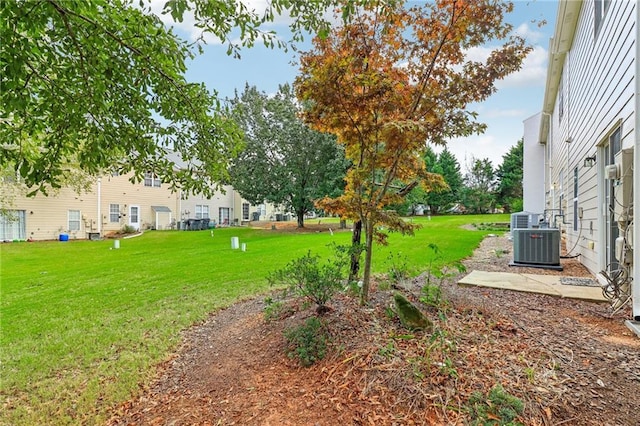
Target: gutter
(559, 45)
(100, 206)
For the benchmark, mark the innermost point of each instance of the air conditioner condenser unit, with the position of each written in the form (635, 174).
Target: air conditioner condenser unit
(538, 248)
(522, 220)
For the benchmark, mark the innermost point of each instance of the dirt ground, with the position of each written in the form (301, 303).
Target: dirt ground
(570, 362)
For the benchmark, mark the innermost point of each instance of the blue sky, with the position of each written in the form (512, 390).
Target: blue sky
(519, 96)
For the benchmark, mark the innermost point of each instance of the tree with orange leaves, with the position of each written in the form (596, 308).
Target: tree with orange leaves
(394, 79)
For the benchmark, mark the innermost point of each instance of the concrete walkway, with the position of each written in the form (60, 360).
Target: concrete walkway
(531, 283)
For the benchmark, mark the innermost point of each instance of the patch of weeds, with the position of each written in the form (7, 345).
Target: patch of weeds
(435, 275)
(403, 336)
(530, 373)
(497, 408)
(276, 309)
(447, 368)
(390, 313)
(353, 288)
(417, 368)
(492, 226)
(384, 285)
(431, 295)
(399, 271)
(307, 342)
(500, 253)
(436, 358)
(388, 350)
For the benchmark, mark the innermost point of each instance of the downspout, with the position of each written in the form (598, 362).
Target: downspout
(635, 284)
(99, 206)
(179, 214)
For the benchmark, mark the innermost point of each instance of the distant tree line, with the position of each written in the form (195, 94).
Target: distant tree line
(288, 164)
(480, 189)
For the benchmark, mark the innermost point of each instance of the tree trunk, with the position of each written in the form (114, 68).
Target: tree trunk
(356, 239)
(364, 294)
(300, 214)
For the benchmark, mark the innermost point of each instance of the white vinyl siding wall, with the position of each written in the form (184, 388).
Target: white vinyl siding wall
(598, 84)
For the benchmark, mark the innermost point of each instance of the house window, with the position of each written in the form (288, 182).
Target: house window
(202, 211)
(245, 211)
(114, 213)
(151, 179)
(12, 225)
(561, 99)
(74, 220)
(600, 10)
(616, 143)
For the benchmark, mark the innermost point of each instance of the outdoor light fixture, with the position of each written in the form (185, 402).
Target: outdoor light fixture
(590, 161)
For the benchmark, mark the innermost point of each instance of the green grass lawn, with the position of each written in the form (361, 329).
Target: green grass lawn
(83, 324)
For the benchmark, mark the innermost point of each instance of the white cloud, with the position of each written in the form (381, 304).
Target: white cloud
(479, 53)
(504, 113)
(532, 73)
(531, 35)
(488, 145)
(187, 26)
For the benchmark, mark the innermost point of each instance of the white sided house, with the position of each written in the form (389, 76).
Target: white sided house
(579, 153)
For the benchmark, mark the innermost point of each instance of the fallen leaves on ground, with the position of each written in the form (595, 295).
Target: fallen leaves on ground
(569, 361)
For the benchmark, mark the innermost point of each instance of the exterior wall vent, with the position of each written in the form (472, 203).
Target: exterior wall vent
(536, 247)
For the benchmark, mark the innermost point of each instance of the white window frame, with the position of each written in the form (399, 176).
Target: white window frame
(152, 180)
(13, 225)
(114, 213)
(73, 220)
(224, 216)
(202, 211)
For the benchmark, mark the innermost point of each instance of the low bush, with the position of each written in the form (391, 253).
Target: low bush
(306, 277)
(307, 342)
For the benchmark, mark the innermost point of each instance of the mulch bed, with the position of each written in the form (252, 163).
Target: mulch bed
(569, 361)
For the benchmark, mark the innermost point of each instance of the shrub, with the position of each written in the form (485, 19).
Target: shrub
(306, 277)
(307, 342)
(128, 229)
(497, 408)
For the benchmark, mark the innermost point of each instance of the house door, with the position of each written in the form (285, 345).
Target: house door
(611, 230)
(134, 217)
(223, 216)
